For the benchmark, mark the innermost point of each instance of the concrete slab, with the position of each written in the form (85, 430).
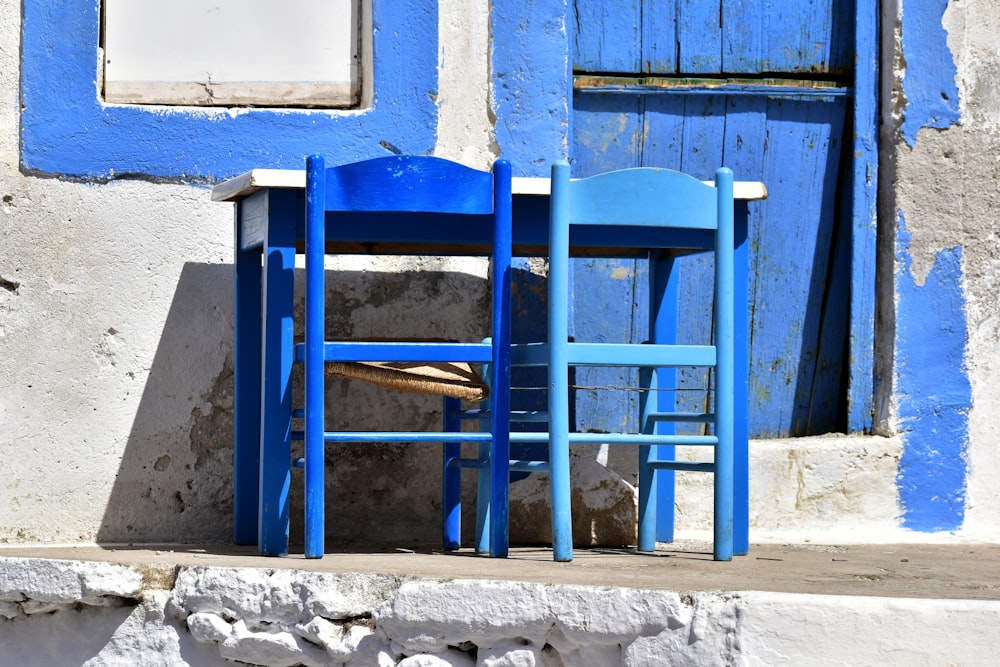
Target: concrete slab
(887, 570)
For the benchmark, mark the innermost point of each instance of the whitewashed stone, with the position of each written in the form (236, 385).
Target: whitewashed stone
(428, 616)
(510, 654)
(780, 628)
(290, 596)
(551, 658)
(511, 624)
(711, 638)
(448, 658)
(208, 627)
(148, 638)
(613, 615)
(583, 656)
(63, 581)
(372, 652)
(345, 596)
(321, 632)
(273, 647)
(341, 642)
(30, 607)
(9, 609)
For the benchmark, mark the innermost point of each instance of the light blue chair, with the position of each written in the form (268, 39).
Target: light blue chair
(423, 205)
(667, 212)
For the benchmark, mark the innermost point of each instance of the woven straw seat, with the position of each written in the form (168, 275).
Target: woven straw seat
(454, 379)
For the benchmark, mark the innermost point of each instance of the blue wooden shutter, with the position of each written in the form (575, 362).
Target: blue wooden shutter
(767, 89)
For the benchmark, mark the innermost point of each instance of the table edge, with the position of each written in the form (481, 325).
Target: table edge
(246, 184)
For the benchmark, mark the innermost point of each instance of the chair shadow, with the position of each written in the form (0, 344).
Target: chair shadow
(174, 479)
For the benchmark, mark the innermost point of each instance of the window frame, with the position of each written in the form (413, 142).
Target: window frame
(68, 131)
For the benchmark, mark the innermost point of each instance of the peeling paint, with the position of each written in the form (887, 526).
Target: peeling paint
(933, 391)
(929, 82)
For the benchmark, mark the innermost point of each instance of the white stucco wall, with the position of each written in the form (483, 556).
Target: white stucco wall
(974, 222)
(116, 327)
(116, 335)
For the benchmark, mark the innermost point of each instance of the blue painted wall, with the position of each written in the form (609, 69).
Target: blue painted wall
(932, 389)
(929, 84)
(66, 130)
(531, 83)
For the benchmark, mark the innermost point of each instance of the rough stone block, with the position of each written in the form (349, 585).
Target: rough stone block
(605, 507)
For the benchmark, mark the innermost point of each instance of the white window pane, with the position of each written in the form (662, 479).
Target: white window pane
(222, 52)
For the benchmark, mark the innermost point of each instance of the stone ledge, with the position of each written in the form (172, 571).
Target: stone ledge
(283, 617)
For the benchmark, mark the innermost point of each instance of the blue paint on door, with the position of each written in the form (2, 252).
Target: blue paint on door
(799, 265)
(933, 391)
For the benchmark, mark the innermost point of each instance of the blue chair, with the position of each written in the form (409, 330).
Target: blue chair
(667, 212)
(434, 207)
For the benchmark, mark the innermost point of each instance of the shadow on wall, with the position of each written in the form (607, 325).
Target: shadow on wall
(174, 483)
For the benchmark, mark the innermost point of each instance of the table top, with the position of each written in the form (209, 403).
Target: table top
(246, 184)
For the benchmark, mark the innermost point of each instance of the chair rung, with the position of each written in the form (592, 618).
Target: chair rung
(400, 436)
(683, 466)
(600, 354)
(519, 416)
(405, 436)
(529, 416)
(597, 354)
(529, 354)
(367, 351)
(620, 439)
(530, 466)
(517, 466)
(688, 417)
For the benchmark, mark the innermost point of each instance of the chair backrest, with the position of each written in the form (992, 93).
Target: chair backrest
(404, 183)
(643, 197)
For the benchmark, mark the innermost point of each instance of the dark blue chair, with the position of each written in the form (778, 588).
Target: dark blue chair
(435, 207)
(666, 212)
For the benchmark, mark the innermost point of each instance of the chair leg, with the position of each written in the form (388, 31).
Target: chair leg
(647, 500)
(664, 287)
(562, 523)
(558, 339)
(451, 475)
(559, 428)
(647, 475)
(725, 378)
(484, 492)
(314, 375)
(483, 496)
(499, 486)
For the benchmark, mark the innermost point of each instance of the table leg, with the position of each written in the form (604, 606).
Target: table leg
(246, 387)
(741, 399)
(277, 345)
(663, 298)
